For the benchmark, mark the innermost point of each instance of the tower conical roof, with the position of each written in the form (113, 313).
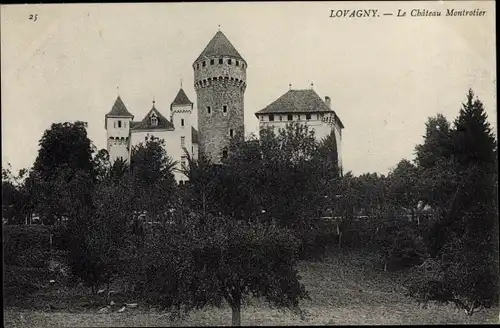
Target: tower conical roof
(181, 99)
(119, 109)
(219, 46)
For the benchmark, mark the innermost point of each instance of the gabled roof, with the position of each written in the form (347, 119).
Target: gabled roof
(194, 135)
(219, 46)
(145, 124)
(297, 101)
(181, 99)
(119, 109)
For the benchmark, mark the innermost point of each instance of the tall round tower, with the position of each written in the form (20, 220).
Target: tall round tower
(220, 83)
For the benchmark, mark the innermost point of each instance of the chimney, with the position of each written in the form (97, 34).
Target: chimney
(328, 102)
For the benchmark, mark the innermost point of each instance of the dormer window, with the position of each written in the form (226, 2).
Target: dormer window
(221, 61)
(154, 120)
(290, 117)
(237, 63)
(229, 61)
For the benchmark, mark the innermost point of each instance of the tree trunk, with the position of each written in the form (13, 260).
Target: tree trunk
(236, 315)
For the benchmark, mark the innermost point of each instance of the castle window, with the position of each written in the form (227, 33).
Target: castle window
(212, 61)
(209, 110)
(203, 64)
(224, 109)
(182, 122)
(231, 132)
(237, 63)
(119, 124)
(290, 117)
(221, 61)
(271, 117)
(308, 117)
(183, 142)
(229, 61)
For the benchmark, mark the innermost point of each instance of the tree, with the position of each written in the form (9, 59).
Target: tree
(462, 185)
(198, 263)
(437, 142)
(473, 140)
(64, 157)
(14, 195)
(151, 170)
(403, 186)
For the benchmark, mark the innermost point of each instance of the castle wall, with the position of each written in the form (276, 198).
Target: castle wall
(218, 85)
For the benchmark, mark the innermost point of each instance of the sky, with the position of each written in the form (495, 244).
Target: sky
(385, 75)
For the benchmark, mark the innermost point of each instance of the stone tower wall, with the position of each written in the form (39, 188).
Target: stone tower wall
(218, 85)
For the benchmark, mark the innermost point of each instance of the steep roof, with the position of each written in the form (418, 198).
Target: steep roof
(145, 124)
(119, 109)
(297, 101)
(194, 135)
(219, 46)
(181, 99)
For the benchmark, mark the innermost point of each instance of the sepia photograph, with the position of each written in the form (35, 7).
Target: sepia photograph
(249, 164)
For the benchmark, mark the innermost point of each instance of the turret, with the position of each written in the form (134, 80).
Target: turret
(117, 125)
(181, 110)
(220, 83)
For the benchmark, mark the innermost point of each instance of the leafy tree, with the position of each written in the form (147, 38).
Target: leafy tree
(437, 142)
(64, 158)
(198, 263)
(403, 186)
(151, 172)
(14, 195)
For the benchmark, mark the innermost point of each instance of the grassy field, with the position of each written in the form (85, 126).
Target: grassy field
(345, 289)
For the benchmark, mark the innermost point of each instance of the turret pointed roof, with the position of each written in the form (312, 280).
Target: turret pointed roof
(145, 124)
(219, 46)
(119, 109)
(181, 99)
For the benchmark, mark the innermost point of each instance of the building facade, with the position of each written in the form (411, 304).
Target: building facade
(179, 134)
(305, 107)
(220, 84)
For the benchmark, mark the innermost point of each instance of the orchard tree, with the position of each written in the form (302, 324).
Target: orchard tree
(198, 263)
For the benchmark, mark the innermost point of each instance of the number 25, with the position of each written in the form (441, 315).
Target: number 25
(33, 17)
